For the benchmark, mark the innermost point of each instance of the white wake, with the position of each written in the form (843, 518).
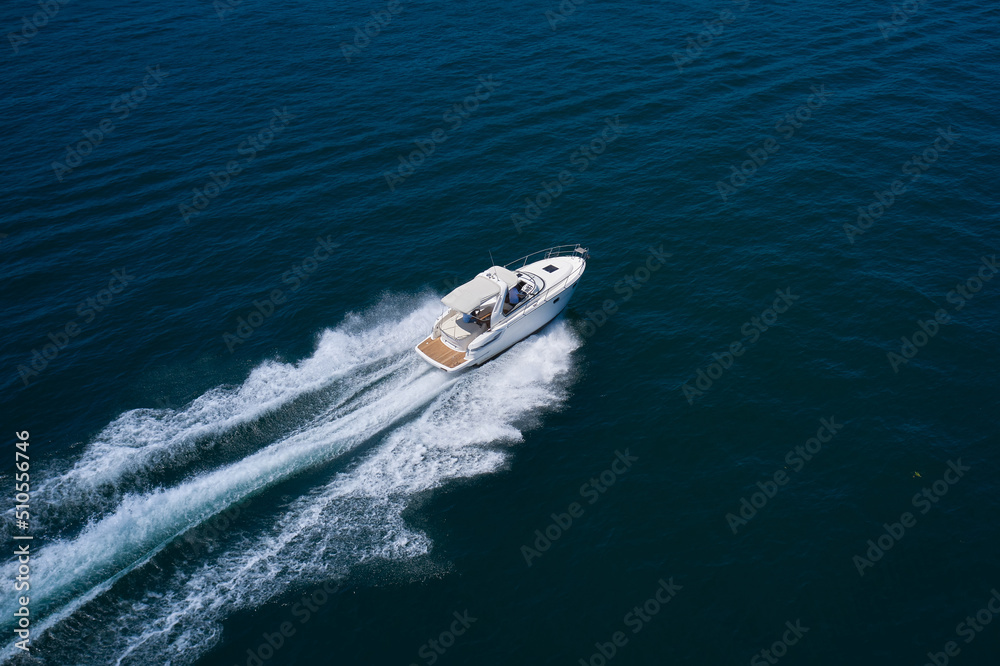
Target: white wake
(427, 428)
(142, 440)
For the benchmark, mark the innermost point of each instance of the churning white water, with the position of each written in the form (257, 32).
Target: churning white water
(424, 428)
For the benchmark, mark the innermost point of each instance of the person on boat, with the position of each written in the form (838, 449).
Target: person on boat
(514, 296)
(474, 317)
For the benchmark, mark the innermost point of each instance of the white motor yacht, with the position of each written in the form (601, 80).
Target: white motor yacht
(503, 305)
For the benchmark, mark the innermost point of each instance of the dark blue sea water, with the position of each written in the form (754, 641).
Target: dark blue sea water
(764, 431)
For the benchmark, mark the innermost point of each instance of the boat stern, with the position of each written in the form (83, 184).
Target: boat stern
(437, 353)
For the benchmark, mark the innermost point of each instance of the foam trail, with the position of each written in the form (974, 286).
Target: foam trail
(70, 571)
(144, 439)
(355, 518)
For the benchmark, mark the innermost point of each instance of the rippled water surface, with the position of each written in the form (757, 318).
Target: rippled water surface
(764, 429)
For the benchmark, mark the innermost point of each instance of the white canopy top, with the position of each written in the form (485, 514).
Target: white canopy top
(471, 295)
(507, 276)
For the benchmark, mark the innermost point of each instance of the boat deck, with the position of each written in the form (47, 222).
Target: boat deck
(440, 352)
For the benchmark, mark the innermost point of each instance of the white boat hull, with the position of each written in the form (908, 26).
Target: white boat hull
(555, 276)
(524, 328)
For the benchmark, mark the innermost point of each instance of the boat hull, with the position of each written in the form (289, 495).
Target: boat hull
(553, 277)
(527, 326)
(513, 333)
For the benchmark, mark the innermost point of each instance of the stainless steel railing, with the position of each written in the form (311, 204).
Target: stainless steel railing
(557, 251)
(551, 289)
